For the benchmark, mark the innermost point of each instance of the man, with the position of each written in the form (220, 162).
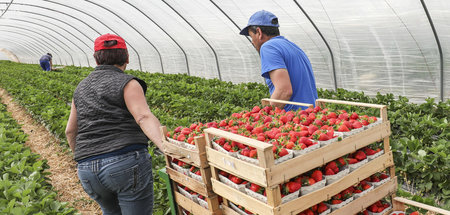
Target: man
(46, 62)
(284, 66)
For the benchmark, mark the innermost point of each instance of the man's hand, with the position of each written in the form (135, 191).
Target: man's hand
(283, 88)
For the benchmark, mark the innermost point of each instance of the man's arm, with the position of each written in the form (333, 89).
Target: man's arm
(51, 64)
(72, 127)
(138, 107)
(283, 88)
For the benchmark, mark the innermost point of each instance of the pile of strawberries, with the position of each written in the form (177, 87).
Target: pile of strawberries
(356, 157)
(284, 130)
(378, 206)
(333, 167)
(233, 178)
(315, 210)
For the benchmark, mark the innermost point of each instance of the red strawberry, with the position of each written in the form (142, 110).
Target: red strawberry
(414, 213)
(256, 188)
(383, 176)
(341, 161)
(255, 109)
(223, 173)
(357, 124)
(283, 152)
(369, 151)
(323, 137)
(293, 186)
(329, 172)
(308, 181)
(336, 201)
(354, 116)
(322, 207)
(253, 153)
(343, 128)
(332, 115)
(360, 155)
(317, 175)
(235, 179)
(352, 161)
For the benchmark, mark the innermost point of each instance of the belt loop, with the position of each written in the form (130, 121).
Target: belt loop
(137, 155)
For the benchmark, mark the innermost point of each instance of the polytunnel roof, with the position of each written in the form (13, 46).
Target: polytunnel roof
(388, 46)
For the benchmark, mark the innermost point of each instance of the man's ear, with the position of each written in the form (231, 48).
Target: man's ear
(258, 31)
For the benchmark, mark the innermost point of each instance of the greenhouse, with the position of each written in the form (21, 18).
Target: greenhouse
(382, 63)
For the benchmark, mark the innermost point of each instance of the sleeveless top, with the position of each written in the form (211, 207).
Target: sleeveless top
(104, 123)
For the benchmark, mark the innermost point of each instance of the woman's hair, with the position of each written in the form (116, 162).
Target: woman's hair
(111, 56)
(49, 54)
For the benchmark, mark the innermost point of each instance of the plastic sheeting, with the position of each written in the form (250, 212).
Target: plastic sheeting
(385, 46)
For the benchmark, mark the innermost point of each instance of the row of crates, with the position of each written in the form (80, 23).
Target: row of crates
(206, 193)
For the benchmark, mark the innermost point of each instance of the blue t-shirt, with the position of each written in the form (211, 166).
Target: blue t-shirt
(45, 58)
(280, 53)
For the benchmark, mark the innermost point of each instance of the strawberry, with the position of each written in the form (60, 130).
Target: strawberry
(414, 213)
(253, 153)
(383, 176)
(308, 181)
(292, 186)
(343, 128)
(352, 161)
(369, 151)
(357, 124)
(235, 179)
(256, 188)
(329, 172)
(341, 161)
(283, 152)
(317, 175)
(255, 109)
(223, 173)
(322, 207)
(323, 137)
(360, 155)
(336, 201)
(186, 131)
(331, 115)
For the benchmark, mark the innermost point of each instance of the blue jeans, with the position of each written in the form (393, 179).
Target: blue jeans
(121, 184)
(45, 65)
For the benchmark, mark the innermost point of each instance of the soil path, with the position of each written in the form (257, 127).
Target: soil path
(62, 166)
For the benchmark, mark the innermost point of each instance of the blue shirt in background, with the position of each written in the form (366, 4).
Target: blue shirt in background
(45, 58)
(280, 53)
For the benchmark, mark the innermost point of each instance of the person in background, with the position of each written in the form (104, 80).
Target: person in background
(284, 66)
(108, 131)
(46, 62)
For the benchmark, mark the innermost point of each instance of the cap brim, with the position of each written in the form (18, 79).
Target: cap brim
(244, 31)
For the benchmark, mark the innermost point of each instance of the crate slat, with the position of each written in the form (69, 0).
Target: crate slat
(368, 199)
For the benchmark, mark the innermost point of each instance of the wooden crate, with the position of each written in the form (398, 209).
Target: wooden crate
(269, 175)
(195, 157)
(193, 207)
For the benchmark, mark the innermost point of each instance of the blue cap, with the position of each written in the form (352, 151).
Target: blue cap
(260, 18)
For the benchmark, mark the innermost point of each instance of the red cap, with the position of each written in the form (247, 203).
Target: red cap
(100, 41)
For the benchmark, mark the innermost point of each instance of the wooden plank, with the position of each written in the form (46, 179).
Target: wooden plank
(368, 199)
(243, 199)
(351, 103)
(228, 211)
(188, 156)
(421, 205)
(240, 168)
(286, 170)
(187, 181)
(265, 102)
(306, 201)
(190, 205)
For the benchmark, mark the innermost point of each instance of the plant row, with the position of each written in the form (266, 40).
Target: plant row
(24, 187)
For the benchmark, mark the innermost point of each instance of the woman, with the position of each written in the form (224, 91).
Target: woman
(108, 131)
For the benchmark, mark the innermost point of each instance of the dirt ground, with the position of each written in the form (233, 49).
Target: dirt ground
(62, 166)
